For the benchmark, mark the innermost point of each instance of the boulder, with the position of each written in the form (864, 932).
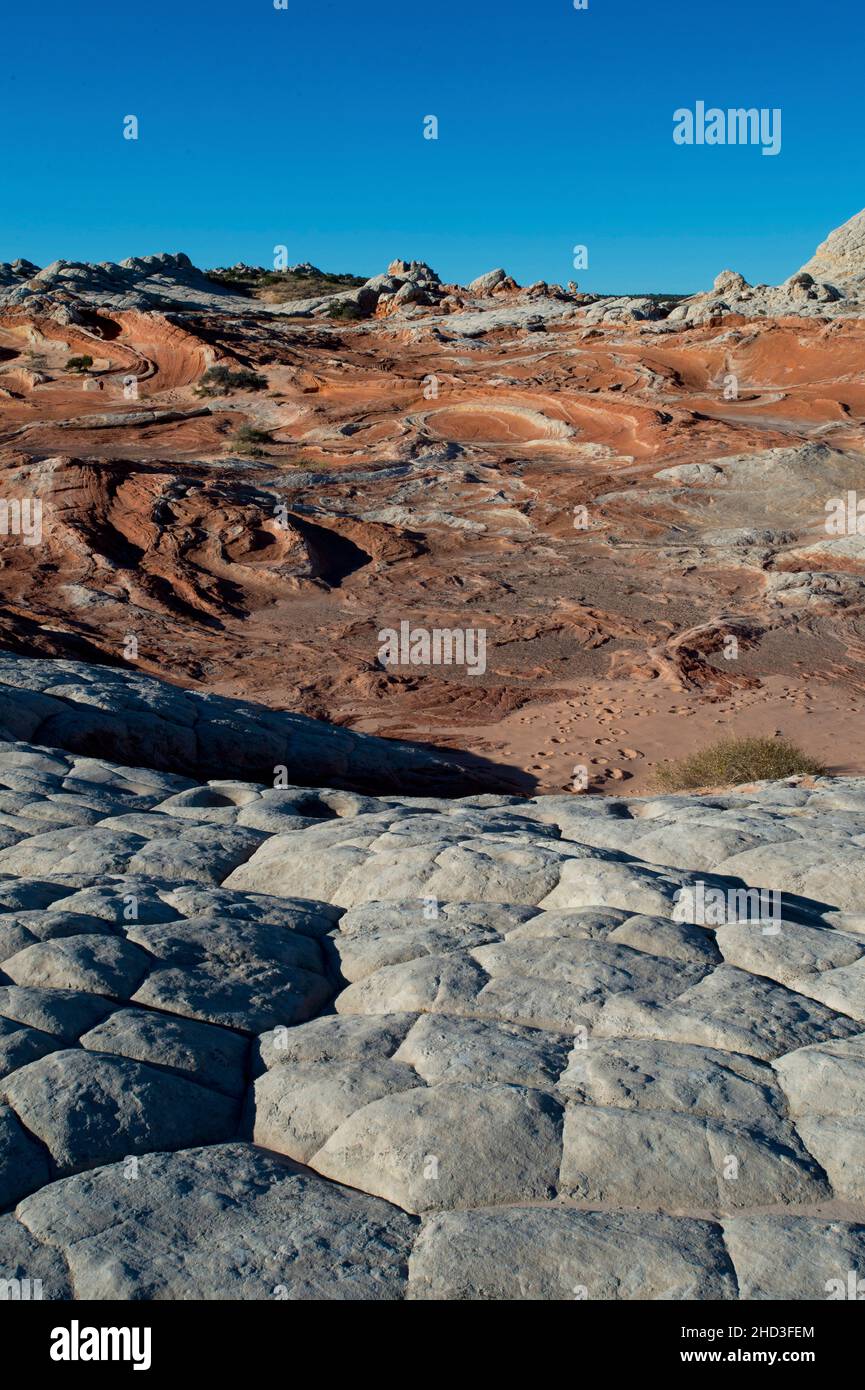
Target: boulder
(540, 1253)
(485, 284)
(227, 1221)
(89, 1109)
(451, 1145)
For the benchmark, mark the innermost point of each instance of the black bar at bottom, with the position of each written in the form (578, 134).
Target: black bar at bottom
(64, 1339)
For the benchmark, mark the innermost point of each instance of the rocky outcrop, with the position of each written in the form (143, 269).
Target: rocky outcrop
(404, 283)
(830, 284)
(144, 721)
(276, 1043)
(163, 281)
(68, 291)
(16, 273)
(619, 308)
(840, 259)
(485, 284)
(801, 296)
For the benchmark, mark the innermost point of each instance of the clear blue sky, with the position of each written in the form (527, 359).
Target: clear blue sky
(304, 127)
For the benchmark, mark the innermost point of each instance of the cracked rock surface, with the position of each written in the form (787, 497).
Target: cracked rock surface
(261, 1043)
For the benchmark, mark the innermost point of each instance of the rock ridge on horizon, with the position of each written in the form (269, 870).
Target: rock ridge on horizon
(832, 282)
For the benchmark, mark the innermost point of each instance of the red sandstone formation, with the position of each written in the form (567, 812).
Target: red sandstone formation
(634, 511)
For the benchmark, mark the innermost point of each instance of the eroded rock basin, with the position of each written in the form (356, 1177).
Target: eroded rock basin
(600, 499)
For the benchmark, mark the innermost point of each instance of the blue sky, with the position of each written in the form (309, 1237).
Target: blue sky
(304, 127)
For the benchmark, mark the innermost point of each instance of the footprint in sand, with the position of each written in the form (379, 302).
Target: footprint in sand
(629, 753)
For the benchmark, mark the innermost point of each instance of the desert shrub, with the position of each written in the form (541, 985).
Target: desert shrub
(344, 309)
(221, 381)
(732, 761)
(248, 440)
(79, 364)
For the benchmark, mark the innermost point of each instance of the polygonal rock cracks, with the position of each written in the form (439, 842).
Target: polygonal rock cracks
(297, 1045)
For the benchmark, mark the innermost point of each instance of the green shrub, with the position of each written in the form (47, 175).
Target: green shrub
(344, 309)
(734, 761)
(79, 364)
(221, 381)
(247, 440)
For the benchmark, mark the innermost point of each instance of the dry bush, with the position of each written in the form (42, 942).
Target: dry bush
(735, 760)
